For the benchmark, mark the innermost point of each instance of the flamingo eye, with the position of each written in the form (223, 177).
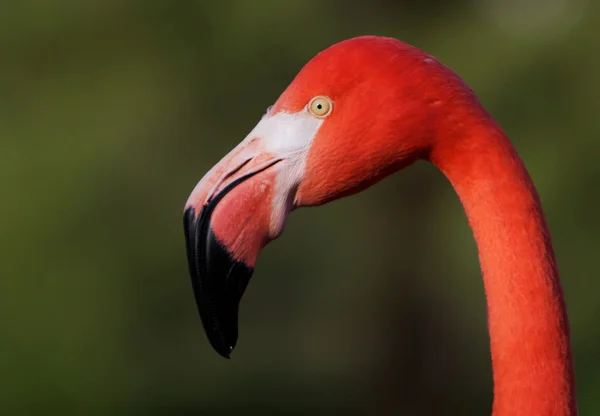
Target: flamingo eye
(320, 106)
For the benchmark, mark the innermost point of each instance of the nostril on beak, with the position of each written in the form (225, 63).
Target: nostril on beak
(226, 176)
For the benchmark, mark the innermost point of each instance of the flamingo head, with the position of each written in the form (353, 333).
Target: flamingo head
(358, 111)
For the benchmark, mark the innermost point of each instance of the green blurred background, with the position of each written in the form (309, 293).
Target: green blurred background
(110, 112)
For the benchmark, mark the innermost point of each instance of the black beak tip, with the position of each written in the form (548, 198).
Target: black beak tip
(218, 342)
(225, 353)
(218, 280)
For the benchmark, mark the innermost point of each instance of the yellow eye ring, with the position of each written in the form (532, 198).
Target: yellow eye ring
(320, 106)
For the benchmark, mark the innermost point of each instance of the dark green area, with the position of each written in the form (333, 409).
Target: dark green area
(110, 112)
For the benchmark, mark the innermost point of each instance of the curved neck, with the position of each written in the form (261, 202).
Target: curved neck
(528, 327)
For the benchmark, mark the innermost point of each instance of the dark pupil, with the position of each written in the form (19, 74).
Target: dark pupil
(319, 106)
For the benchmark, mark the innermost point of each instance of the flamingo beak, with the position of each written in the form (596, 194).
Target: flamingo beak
(237, 208)
(226, 223)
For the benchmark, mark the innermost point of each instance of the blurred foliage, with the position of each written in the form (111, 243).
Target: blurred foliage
(111, 111)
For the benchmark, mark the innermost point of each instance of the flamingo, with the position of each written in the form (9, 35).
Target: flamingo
(357, 112)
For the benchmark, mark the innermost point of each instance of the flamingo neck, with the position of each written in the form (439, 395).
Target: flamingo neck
(527, 319)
